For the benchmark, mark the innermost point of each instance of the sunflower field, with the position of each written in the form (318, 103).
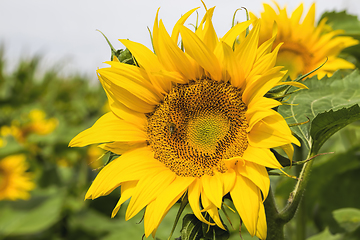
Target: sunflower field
(250, 135)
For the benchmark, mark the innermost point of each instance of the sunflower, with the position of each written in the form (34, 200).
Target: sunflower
(191, 123)
(15, 182)
(305, 46)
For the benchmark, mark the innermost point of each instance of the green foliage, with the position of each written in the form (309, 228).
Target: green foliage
(348, 218)
(33, 216)
(323, 95)
(344, 21)
(326, 235)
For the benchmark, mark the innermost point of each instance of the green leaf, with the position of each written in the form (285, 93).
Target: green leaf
(32, 216)
(323, 95)
(325, 235)
(342, 20)
(326, 124)
(348, 218)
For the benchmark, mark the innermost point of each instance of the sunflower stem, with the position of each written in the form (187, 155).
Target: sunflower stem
(295, 197)
(275, 225)
(301, 213)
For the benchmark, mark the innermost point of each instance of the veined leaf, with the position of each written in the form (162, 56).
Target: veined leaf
(323, 95)
(326, 124)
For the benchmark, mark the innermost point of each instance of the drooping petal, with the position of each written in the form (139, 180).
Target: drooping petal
(211, 209)
(213, 188)
(261, 229)
(247, 199)
(258, 175)
(194, 197)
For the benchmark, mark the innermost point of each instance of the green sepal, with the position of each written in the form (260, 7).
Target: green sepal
(123, 56)
(194, 229)
(112, 156)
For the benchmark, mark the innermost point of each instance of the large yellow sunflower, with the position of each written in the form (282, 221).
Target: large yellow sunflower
(305, 46)
(192, 122)
(15, 182)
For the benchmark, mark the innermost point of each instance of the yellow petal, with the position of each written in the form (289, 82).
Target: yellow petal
(120, 80)
(246, 51)
(262, 85)
(180, 22)
(261, 229)
(261, 156)
(130, 166)
(122, 147)
(148, 188)
(228, 179)
(230, 37)
(127, 190)
(211, 209)
(272, 131)
(199, 51)
(265, 63)
(164, 202)
(127, 98)
(213, 188)
(121, 110)
(208, 35)
(233, 69)
(289, 150)
(172, 56)
(109, 128)
(255, 116)
(149, 61)
(246, 198)
(295, 84)
(193, 197)
(263, 103)
(258, 175)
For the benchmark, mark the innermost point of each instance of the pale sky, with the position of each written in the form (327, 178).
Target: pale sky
(64, 32)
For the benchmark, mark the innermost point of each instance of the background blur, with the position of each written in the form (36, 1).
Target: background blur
(64, 32)
(49, 52)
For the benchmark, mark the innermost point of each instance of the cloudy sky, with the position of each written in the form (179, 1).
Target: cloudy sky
(64, 32)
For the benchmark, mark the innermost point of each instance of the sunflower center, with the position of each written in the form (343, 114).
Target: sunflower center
(197, 126)
(295, 58)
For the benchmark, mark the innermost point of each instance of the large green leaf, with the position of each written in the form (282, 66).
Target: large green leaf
(348, 218)
(323, 95)
(326, 124)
